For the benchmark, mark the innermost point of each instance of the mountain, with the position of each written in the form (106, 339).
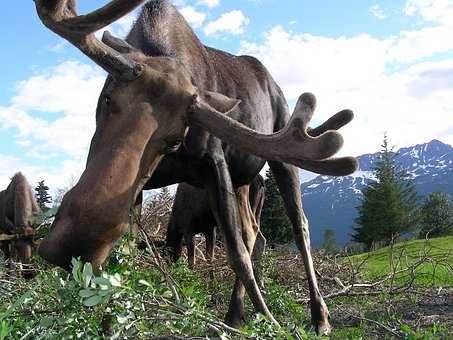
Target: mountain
(330, 202)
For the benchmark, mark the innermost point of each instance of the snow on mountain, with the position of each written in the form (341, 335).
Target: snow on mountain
(330, 202)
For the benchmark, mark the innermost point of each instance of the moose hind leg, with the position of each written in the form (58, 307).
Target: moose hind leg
(287, 178)
(210, 243)
(224, 205)
(190, 241)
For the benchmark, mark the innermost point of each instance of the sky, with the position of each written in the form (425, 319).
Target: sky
(391, 62)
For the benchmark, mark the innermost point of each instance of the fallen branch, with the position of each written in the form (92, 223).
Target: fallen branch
(377, 323)
(170, 282)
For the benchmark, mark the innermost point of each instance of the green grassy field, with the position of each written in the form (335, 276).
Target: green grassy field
(435, 254)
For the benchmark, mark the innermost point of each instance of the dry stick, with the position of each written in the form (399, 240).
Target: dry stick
(207, 319)
(10, 237)
(388, 329)
(346, 289)
(170, 281)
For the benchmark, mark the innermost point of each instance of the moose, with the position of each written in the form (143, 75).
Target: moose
(191, 215)
(17, 206)
(173, 110)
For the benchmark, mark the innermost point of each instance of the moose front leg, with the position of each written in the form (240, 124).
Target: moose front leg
(136, 215)
(249, 232)
(223, 202)
(287, 179)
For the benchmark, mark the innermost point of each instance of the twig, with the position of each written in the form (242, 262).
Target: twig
(170, 281)
(388, 329)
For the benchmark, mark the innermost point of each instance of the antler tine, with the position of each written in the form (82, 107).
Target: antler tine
(101, 17)
(335, 122)
(61, 17)
(342, 166)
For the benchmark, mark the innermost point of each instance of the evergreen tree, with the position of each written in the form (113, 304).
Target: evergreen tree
(389, 204)
(275, 224)
(437, 215)
(330, 243)
(156, 210)
(42, 195)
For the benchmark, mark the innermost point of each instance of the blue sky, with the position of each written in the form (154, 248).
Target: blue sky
(389, 61)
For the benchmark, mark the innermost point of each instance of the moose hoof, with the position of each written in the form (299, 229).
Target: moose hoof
(323, 327)
(234, 320)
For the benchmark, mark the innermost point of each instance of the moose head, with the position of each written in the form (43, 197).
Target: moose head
(151, 101)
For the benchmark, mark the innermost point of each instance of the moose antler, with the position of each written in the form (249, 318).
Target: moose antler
(61, 17)
(293, 144)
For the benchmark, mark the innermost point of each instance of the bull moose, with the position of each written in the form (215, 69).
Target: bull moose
(173, 110)
(191, 215)
(17, 206)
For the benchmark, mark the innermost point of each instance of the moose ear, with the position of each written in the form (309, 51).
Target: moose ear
(218, 101)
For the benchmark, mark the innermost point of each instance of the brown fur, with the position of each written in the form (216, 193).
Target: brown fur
(166, 81)
(192, 215)
(17, 205)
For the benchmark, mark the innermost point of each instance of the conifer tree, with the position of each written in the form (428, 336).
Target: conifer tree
(330, 243)
(275, 224)
(42, 195)
(389, 204)
(437, 215)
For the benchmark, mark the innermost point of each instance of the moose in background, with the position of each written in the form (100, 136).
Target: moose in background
(17, 206)
(191, 215)
(173, 110)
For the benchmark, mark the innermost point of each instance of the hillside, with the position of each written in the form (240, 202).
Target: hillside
(330, 201)
(378, 262)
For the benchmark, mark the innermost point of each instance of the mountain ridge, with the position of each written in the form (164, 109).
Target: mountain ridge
(330, 202)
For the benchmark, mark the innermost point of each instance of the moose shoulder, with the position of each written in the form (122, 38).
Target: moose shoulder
(162, 81)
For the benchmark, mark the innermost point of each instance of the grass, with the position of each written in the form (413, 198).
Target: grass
(436, 271)
(50, 306)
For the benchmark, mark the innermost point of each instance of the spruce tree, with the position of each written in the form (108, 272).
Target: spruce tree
(330, 243)
(389, 204)
(42, 195)
(437, 215)
(275, 224)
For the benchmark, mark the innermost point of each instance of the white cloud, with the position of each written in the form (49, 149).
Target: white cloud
(60, 89)
(411, 104)
(53, 114)
(378, 12)
(194, 17)
(122, 26)
(431, 10)
(233, 22)
(209, 3)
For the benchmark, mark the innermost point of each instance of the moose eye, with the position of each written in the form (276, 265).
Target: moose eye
(107, 100)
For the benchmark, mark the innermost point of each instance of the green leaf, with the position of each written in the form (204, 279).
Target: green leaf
(104, 292)
(86, 293)
(47, 322)
(115, 280)
(144, 283)
(167, 294)
(102, 281)
(87, 274)
(122, 319)
(92, 301)
(76, 270)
